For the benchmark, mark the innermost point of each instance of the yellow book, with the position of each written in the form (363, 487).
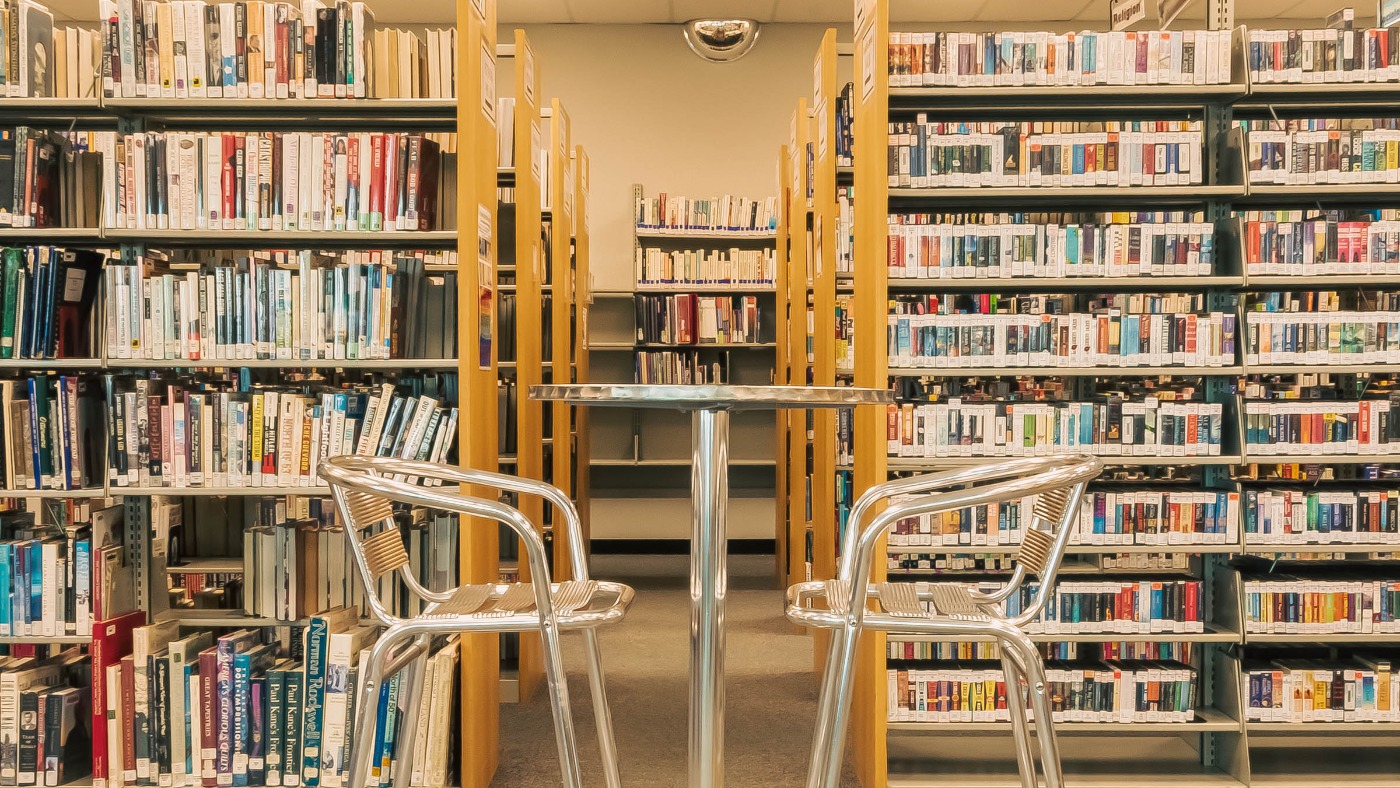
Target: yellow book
(165, 43)
(255, 431)
(254, 46)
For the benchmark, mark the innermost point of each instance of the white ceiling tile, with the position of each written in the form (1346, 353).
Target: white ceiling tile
(1009, 13)
(823, 11)
(926, 11)
(524, 12)
(619, 12)
(685, 10)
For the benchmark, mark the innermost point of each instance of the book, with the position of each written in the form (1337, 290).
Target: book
(675, 214)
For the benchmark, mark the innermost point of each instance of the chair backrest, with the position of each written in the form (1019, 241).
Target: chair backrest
(365, 491)
(1057, 482)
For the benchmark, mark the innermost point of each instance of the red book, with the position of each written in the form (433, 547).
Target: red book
(208, 715)
(111, 640)
(127, 719)
(228, 183)
(376, 181)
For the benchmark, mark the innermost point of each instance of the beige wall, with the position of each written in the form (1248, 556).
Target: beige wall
(650, 112)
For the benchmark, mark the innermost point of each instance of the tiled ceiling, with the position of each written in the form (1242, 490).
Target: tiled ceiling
(1000, 13)
(1089, 12)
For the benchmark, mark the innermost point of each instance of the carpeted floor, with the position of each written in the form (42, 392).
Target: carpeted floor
(771, 690)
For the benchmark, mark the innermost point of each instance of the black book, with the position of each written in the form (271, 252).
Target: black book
(160, 702)
(7, 176)
(28, 758)
(326, 26)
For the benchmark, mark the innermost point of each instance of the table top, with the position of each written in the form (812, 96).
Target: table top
(710, 397)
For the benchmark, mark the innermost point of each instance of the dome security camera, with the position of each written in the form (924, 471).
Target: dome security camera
(721, 40)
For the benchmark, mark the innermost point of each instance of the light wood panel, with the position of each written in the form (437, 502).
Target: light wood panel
(529, 316)
(871, 115)
(561, 201)
(824, 306)
(782, 500)
(799, 268)
(477, 444)
(583, 301)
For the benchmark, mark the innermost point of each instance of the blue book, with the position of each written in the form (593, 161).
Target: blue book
(6, 556)
(391, 721)
(36, 581)
(227, 648)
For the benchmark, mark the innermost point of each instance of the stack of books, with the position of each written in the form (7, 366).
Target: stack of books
(986, 245)
(1148, 57)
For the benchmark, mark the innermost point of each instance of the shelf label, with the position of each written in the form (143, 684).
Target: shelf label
(868, 59)
(817, 78)
(480, 6)
(488, 83)
(537, 150)
(529, 76)
(822, 131)
(1388, 12)
(1169, 10)
(1123, 14)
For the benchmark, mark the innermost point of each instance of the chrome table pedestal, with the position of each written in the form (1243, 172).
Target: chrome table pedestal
(709, 491)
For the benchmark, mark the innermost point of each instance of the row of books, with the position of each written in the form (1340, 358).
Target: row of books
(1141, 606)
(279, 305)
(1107, 692)
(1363, 688)
(1282, 428)
(46, 301)
(52, 575)
(1322, 243)
(978, 245)
(1159, 517)
(243, 709)
(1165, 57)
(39, 60)
(296, 561)
(1342, 337)
(725, 213)
(1294, 604)
(1337, 53)
(927, 650)
(177, 49)
(49, 178)
(845, 120)
(690, 319)
(1110, 427)
(681, 367)
(181, 433)
(676, 268)
(925, 154)
(845, 229)
(1148, 517)
(52, 433)
(274, 180)
(1121, 331)
(45, 721)
(1321, 516)
(1323, 150)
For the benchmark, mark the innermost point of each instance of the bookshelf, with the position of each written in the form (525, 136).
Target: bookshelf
(634, 450)
(467, 225)
(1228, 747)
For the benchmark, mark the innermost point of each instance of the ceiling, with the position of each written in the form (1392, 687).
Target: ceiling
(1003, 14)
(1089, 12)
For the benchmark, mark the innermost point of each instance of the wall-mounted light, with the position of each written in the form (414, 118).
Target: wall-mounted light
(721, 40)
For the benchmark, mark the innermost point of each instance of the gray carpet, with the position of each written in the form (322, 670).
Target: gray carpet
(771, 690)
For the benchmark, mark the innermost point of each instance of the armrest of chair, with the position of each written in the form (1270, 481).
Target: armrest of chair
(991, 483)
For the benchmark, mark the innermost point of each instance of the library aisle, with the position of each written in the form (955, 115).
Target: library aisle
(771, 697)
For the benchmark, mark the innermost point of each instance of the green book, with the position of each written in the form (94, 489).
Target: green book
(11, 264)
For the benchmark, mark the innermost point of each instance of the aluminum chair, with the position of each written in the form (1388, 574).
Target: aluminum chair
(365, 488)
(951, 611)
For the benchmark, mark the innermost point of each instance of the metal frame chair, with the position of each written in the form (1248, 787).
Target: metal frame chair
(958, 610)
(365, 489)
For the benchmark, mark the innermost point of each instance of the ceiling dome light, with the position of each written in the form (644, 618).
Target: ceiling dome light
(721, 40)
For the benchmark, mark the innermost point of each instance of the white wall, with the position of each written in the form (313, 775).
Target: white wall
(650, 111)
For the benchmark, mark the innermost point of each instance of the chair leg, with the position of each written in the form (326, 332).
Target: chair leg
(833, 710)
(607, 745)
(413, 680)
(558, 682)
(1020, 729)
(1044, 727)
(366, 707)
